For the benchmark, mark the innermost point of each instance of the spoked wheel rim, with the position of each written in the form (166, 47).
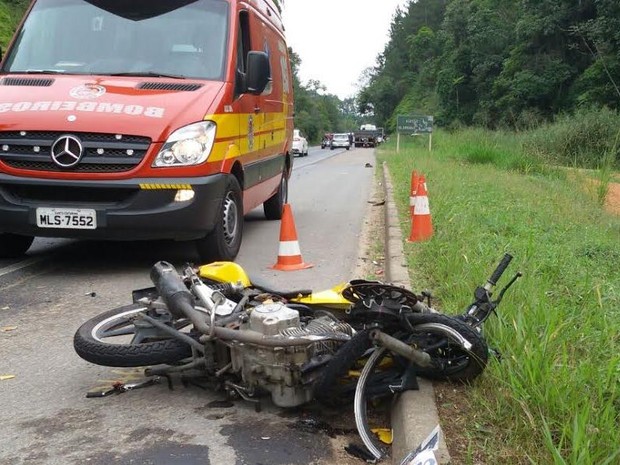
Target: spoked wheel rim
(360, 404)
(445, 350)
(125, 328)
(119, 338)
(117, 326)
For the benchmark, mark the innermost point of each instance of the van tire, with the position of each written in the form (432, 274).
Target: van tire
(14, 245)
(275, 204)
(224, 242)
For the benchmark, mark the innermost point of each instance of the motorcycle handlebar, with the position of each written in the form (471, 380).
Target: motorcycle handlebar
(500, 269)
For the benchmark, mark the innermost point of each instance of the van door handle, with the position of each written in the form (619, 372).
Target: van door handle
(256, 109)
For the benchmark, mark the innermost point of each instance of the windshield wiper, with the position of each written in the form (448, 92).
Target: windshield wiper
(41, 71)
(149, 74)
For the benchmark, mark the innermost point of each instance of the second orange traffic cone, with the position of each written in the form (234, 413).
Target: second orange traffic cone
(421, 222)
(289, 253)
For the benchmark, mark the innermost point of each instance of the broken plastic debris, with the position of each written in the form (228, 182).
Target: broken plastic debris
(8, 328)
(384, 434)
(5, 377)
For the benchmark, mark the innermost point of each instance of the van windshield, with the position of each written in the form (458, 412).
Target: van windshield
(183, 38)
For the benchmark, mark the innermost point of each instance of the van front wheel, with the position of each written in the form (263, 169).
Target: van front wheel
(224, 242)
(14, 245)
(275, 204)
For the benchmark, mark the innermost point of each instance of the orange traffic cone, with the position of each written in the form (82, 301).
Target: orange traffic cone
(289, 254)
(414, 187)
(421, 223)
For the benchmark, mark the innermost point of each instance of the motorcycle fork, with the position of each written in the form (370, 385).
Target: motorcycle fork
(418, 357)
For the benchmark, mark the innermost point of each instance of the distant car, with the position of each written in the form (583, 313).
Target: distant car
(300, 144)
(340, 141)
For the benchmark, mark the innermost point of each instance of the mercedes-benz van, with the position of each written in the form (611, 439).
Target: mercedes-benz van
(144, 119)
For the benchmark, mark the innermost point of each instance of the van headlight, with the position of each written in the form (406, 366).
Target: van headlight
(190, 145)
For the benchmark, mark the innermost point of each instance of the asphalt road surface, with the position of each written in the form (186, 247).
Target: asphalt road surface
(45, 296)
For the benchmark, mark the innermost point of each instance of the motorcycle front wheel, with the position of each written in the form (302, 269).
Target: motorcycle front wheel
(116, 338)
(458, 352)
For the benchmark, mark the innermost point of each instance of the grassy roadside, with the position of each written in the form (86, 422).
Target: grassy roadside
(555, 396)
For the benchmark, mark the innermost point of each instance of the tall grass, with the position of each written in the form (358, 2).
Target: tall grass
(555, 396)
(581, 140)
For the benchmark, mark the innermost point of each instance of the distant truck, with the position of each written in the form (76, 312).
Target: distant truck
(367, 136)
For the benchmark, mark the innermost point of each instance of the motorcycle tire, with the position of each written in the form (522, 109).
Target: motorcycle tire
(328, 388)
(89, 342)
(451, 361)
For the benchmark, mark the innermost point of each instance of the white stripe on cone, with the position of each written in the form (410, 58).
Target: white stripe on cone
(289, 249)
(421, 206)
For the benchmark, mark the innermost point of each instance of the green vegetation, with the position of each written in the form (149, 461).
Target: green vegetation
(586, 139)
(554, 398)
(11, 12)
(497, 63)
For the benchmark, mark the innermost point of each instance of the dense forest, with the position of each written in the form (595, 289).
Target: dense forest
(497, 63)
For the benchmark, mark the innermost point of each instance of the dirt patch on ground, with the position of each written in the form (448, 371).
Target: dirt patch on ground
(612, 201)
(456, 417)
(587, 178)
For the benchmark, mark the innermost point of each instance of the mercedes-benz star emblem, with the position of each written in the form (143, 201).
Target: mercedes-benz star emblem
(67, 151)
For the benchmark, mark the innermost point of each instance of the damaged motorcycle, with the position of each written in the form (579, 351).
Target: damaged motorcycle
(249, 339)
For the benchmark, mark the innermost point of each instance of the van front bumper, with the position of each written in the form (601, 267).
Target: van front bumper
(134, 209)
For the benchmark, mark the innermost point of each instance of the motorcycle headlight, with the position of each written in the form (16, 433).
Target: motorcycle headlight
(190, 145)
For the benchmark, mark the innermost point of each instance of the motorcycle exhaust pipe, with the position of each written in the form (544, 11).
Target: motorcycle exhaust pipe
(172, 289)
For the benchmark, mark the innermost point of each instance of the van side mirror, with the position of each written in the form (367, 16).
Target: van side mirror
(259, 73)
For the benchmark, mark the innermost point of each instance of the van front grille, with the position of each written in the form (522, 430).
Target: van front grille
(102, 153)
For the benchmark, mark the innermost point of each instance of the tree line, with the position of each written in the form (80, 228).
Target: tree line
(496, 63)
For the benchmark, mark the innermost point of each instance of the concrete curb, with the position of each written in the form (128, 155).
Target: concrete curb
(414, 413)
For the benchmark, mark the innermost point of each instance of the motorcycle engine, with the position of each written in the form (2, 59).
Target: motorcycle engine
(279, 370)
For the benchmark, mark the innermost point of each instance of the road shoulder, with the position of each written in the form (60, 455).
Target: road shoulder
(414, 413)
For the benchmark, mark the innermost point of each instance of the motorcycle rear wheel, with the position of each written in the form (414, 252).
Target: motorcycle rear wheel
(90, 341)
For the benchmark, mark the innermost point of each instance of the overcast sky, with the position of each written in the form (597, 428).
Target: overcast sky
(337, 39)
